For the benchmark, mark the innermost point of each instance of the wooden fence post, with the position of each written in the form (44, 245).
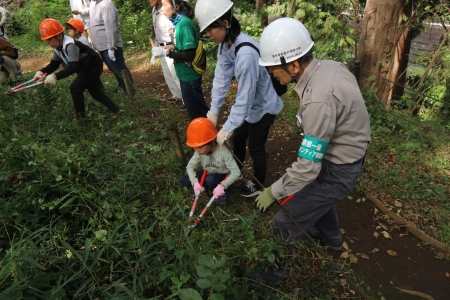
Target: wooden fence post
(131, 91)
(176, 141)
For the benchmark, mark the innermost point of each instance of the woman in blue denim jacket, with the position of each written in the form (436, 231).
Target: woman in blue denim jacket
(257, 102)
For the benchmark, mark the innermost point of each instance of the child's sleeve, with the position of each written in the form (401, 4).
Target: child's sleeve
(231, 164)
(191, 167)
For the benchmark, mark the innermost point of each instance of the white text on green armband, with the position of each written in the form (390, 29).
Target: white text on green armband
(312, 149)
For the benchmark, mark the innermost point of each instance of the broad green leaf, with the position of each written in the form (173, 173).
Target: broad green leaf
(218, 264)
(222, 276)
(220, 287)
(180, 253)
(206, 260)
(217, 297)
(300, 13)
(271, 257)
(189, 294)
(204, 283)
(202, 271)
(101, 235)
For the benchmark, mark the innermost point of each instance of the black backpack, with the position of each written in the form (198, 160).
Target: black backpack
(279, 88)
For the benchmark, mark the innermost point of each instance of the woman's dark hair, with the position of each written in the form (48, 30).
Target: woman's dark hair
(235, 26)
(184, 6)
(68, 26)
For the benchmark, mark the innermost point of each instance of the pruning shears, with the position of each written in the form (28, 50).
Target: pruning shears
(287, 200)
(24, 86)
(204, 211)
(194, 205)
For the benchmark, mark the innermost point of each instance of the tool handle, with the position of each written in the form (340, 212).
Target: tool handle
(210, 202)
(289, 198)
(194, 205)
(202, 179)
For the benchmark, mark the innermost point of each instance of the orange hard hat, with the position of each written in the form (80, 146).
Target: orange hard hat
(200, 132)
(77, 24)
(50, 28)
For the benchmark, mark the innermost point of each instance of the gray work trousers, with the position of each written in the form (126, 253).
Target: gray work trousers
(315, 204)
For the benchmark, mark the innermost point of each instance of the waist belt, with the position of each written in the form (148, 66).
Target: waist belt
(165, 44)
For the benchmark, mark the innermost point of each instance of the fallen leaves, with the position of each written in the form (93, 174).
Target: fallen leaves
(353, 259)
(382, 225)
(362, 255)
(345, 246)
(419, 294)
(391, 253)
(386, 234)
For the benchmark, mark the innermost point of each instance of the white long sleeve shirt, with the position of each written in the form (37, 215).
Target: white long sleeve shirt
(83, 7)
(164, 29)
(105, 24)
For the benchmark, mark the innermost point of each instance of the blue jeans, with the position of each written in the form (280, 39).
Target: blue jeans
(193, 98)
(211, 181)
(116, 66)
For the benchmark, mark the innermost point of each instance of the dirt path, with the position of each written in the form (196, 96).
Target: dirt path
(380, 275)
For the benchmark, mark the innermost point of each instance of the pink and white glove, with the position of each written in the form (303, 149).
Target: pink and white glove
(219, 191)
(198, 188)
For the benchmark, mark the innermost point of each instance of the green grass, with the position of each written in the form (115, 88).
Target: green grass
(411, 164)
(94, 209)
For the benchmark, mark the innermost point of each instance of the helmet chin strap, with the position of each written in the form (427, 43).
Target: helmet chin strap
(284, 67)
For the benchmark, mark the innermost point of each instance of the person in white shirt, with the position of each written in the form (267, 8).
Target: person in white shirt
(5, 18)
(164, 35)
(105, 35)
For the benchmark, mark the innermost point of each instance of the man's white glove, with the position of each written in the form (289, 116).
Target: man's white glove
(223, 136)
(111, 55)
(212, 117)
(159, 52)
(38, 75)
(50, 79)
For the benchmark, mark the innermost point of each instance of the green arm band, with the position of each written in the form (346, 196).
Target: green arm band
(312, 149)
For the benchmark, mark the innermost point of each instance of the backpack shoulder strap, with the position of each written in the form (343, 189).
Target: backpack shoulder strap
(236, 49)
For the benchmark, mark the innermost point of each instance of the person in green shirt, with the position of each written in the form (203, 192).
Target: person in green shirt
(180, 13)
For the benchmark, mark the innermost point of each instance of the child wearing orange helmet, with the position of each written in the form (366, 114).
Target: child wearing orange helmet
(78, 58)
(75, 29)
(218, 161)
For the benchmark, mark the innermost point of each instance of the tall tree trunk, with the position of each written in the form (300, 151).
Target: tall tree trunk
(264, 16)
(384, 46)
(401, 59)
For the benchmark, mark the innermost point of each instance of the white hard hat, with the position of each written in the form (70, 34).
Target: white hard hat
(283, 41)
(208, 11)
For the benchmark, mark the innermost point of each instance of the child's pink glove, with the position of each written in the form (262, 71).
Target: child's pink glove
(198, 188)
(219, 191)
